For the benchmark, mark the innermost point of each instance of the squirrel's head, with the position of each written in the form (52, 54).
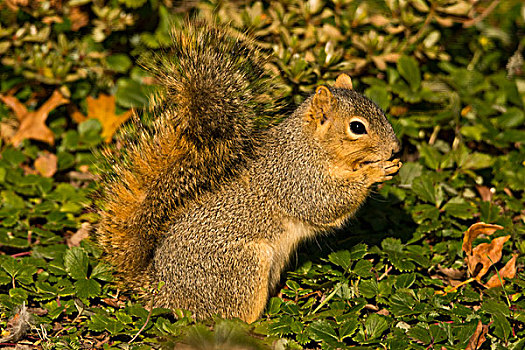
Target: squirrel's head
(350, 126)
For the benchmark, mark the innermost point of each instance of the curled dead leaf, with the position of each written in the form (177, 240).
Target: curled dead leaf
(478, 338)
(484, 256)
(479, 228)
(508, 271)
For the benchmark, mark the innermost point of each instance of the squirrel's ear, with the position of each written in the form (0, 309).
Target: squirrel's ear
(322, 102)
(343, 81)
(323, 97)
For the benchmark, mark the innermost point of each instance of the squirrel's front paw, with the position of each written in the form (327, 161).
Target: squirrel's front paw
(382, 171)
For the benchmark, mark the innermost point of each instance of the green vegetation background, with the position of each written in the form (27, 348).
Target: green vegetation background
(449, 74)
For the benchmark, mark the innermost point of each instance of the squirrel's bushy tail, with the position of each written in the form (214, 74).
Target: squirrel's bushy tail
(215, 84)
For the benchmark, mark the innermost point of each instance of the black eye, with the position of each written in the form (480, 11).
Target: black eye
(357, 128)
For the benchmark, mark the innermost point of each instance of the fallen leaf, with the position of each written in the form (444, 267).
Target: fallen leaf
(103, 108)
(379, 62)
(52, 19)
(485, 193)
(78, 18)
(46, 164)
(33, 123)
(485, 254)
(479, 228)
(451, 273)
(508, 271)
(478, 338)
(13, 4)
(77, 116)
(81, 234)
(379, 20)
(398, 111)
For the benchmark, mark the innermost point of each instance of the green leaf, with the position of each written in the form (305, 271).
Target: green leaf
(102, 272)
(379, 94)
(513, 117)
(501, 326)
(431, 156)
(76, 262)
(405, 280)
(10, 200)
(341, 258)
(420, 334)
(274, 306)
(119, 62)
(363, 268)
(130, 93)
(368, 288)
(133, 3)
(87, 288)
(322, 330)
(408, 172)
(460, 208)
(99, 323)
(375, 325)
(409, 69)
(348, 328)
(425, 189)
(358, 251)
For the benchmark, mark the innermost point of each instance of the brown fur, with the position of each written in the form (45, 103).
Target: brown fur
(202, 207)
(216, 86)
(307, 178)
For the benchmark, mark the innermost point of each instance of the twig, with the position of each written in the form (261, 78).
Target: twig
(385, 273)
(17, 255)
(147, 320)
(327, 299)
(484, 14)
(455, 289)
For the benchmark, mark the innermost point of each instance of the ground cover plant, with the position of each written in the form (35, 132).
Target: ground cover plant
(416, 269)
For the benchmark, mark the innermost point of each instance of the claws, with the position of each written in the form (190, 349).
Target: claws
(381, 171)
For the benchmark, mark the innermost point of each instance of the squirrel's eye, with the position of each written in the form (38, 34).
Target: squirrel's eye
(357, 128)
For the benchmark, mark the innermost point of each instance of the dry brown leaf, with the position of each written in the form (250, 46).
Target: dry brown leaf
(78, 18)
(379, 62)
(379, 20)
(46, 164)
(33, 123)
(485, 193)
(478, 338)
(479, 228)
(508, 271)
(451, 273)
(13, 4)
(398, 110)
(52, 19)
(81, 234)
(485, 254)
(77, 116)
(103, 108)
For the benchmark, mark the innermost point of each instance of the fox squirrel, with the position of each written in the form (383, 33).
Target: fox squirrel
(212, 205)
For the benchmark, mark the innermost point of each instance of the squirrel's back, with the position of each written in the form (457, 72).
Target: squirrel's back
(215, 87)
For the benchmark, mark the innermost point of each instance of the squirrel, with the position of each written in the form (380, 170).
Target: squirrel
(207, 205)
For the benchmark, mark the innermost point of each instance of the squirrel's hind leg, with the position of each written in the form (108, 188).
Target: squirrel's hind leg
(258, 282)
(231, 284)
